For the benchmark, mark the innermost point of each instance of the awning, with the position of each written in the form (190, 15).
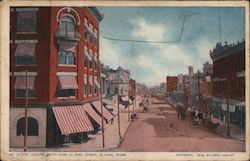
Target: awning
(106, 114)
(25, 50)
(68, 82)
(21, 82)
(92, 113)
(95, 57)
(68, 47)
(90, 81)
(115, 112)
(85, 80)
(72, 119)
(97, 83)
(87, 54)
(108, 102)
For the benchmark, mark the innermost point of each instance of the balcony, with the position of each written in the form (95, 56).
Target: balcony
(71, 37)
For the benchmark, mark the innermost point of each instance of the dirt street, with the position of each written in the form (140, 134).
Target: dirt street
(160, 130)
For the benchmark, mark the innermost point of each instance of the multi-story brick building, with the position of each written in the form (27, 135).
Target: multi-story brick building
(229, 82)
(59, 48)
(171, 85)
(206, 88)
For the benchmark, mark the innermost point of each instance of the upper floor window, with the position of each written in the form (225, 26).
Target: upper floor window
(25, 54)
(67, 54)
(20, 86)
(67, 86)
(67, 25)
(66, 57)
(26, 21)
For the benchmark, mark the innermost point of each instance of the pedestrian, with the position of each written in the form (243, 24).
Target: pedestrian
(112, 120)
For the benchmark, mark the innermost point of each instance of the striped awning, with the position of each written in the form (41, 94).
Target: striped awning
(91, 112)
(108, 102)
(106, 114)
(72, 119)
(115, 111)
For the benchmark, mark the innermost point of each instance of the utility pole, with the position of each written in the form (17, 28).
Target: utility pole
(26, 111)
(100, 93)
(228, 112)
(119, 129)
(199, 90)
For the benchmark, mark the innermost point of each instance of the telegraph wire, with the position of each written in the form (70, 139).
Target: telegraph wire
(159, 42)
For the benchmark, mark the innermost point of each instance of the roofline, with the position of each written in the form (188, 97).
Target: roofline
(96, 13)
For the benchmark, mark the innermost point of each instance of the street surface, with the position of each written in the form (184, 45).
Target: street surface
(153, 133)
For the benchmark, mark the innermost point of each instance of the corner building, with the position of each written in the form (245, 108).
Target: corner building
(59, 48)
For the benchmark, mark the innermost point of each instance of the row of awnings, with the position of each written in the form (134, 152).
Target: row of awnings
(65, 82)
(75, 119)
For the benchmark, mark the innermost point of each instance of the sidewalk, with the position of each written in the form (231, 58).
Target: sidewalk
(95, 142)
(236, 132)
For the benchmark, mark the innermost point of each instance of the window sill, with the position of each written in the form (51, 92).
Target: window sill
(27, 32)
(31, 98)
(26, 65)
(66, 65)
(71, 97)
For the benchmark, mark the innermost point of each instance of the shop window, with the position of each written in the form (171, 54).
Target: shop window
(26, 21)
(33, 127)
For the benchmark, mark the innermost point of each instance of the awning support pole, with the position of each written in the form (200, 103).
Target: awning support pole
(26, 111)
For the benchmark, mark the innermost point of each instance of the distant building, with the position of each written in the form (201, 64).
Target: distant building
(163, 88)
(117, 82)
(132, 88)
(206, 85)
(229, 82)
(171, 85)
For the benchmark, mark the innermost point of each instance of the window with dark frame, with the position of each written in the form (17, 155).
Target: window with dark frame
(33, 127)
(26, 21)
(25, 60)
(66, 93)
(21, 93)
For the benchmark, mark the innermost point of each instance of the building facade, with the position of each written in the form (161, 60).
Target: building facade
(171, 86)
(229, 82)
(206, 88)
(117, 82)
(59, 49)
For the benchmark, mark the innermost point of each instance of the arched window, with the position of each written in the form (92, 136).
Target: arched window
(32, 127)
(67, 25)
